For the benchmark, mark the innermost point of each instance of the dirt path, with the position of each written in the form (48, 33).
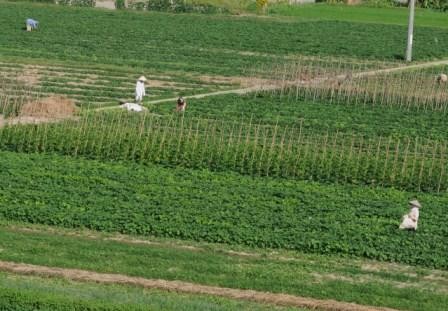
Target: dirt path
(246, 90)
(185, 287)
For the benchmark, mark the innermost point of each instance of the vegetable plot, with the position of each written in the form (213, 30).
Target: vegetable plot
(222, 207)
(248, 148)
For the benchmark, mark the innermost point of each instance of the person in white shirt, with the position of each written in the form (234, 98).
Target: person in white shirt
(410, 220)
(133, 107)
(140, 89)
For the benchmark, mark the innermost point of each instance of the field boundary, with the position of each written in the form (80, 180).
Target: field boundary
(186, 287)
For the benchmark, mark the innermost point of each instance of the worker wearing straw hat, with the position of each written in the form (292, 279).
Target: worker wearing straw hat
(410, 220)
(140, 89)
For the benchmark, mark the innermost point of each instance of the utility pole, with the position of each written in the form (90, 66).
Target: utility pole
(410, 30)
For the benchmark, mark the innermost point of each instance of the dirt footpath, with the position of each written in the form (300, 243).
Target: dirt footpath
(185, 287)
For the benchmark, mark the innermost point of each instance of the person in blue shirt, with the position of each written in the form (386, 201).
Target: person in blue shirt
(31, 24)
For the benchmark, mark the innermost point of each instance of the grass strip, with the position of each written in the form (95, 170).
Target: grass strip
(30, 293)
(322, 277)
(186, 287)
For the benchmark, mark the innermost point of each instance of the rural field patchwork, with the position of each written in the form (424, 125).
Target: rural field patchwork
(281, 187)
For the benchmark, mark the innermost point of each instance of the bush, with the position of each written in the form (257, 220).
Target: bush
(82, 3)
(434, 4)
(120, 4)
(179, 6)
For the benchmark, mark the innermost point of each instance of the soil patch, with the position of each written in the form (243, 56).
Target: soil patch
(29, 77)
(242, 81)
(185, 287)
(58, 107)
(105, 4)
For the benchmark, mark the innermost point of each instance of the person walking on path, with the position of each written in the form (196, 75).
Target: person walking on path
(140, 89)
(410, 220)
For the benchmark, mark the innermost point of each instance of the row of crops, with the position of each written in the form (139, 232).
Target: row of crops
(252, 149)
(198, 43)
(93, 85)
(319, 116)
(408, 89)
(220, 207)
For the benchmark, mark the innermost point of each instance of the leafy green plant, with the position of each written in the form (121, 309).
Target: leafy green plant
(349, 220)
(120, 4)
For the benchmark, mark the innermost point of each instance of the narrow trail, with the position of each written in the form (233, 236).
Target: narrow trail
(186, 287)
(197, 96)
(242, 91)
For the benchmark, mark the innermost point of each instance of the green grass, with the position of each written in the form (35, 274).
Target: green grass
(227, 208)
(36, 293)
(325, 277)
(361, 14)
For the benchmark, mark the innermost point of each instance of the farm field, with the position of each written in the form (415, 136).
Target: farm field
(360, 14)
(318, 116)
(281, 187)
(317, 276)
(199, 43)
(223, 208)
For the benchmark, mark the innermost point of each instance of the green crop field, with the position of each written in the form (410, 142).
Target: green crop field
(225, 208)
(304, 138)
(199, 43)
(361, 14)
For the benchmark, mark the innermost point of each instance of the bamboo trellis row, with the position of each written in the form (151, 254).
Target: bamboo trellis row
(247, 148)
(358, 84)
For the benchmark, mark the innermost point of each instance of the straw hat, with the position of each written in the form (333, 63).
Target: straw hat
(142, 78)
(415, 203)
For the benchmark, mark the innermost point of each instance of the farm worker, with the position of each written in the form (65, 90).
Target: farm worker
(31, 24)
(133, 107)
(442, 78)
(410, 220)
(181, 104)
(140, 89)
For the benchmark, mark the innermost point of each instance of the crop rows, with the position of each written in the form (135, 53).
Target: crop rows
(406, 89)
(253, 149)
(198, 43)
(94, 86)
(221, 208)
(318, 116)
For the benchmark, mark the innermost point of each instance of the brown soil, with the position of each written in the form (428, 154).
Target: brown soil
(50, 107)
(185, 287)
(29, 76)
(29, 120)
(242, 81)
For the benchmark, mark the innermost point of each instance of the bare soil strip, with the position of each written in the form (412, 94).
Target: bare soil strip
(185, 287)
